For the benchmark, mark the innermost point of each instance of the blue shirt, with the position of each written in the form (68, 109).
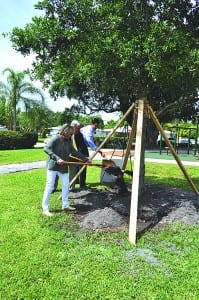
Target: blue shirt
(88, 135)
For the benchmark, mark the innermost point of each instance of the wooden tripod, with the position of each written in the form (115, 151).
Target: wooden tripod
(141, 110)
(144, 109)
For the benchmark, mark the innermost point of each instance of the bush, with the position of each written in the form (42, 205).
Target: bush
(10, 140)
(113, 142)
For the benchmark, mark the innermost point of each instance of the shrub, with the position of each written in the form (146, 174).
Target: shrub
(10, 140)
(113, 142)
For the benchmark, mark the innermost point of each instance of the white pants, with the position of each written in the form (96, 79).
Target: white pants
(50, 181)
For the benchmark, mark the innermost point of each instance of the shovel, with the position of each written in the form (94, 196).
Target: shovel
(105, 163)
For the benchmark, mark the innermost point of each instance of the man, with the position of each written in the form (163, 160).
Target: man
(58, 149)
(88, 135)
(80, 146)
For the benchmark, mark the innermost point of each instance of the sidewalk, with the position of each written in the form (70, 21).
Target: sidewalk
(13, 168)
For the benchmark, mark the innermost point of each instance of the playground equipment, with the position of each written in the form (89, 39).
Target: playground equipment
(190, 143)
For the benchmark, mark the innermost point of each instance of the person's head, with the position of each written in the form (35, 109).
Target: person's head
(95, 123)
(66, 131)
(76, 126)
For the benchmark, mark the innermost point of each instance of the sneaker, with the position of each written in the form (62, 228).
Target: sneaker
(69, 208)
(47, 213)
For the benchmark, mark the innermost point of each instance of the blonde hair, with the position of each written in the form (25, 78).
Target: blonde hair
(66, 130)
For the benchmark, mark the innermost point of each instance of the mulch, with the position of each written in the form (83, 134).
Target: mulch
(102, 210)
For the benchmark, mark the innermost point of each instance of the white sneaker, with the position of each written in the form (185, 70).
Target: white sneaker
(47, 213)
(69, 208)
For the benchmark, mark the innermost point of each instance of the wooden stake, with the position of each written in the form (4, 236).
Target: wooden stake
(171, 148)
(130, 141)
(136, 172)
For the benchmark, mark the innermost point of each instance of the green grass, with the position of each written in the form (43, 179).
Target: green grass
(23, 155)
(168, 174)
(171, 175)
(169, 156)
(51, 258)
(28, 155)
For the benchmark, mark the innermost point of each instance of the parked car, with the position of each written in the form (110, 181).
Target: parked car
(194, 142)
(3, 128)
(170, 137)
(184, 143)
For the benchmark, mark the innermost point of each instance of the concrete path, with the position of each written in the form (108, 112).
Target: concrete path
(13, 168)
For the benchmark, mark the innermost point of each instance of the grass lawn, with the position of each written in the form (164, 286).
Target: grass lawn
(169, 156)
(22, 155)
(51, 258)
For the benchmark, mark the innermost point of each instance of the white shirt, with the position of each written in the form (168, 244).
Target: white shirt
(88, 135)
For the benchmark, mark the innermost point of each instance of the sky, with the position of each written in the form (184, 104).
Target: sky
(17, 13)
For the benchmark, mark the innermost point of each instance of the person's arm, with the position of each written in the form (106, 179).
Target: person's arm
(48, 149)
(91, 143)
(94, 147)
(78, 154)
(102, 154)
(88, 136)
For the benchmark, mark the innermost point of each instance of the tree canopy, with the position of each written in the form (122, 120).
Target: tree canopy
(107, 53)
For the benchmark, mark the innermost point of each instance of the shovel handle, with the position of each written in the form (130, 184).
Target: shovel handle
(82, 163)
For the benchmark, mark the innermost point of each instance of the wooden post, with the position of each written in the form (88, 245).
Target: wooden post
(136, 172)
(171, 148)
(130, 141)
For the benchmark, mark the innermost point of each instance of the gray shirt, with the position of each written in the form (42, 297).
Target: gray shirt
(60, 148)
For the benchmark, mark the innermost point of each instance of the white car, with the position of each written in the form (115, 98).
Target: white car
(3, 128)
(169, 135)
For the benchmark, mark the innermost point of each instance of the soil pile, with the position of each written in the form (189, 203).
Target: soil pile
(159, 205)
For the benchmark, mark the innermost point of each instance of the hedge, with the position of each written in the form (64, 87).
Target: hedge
(10, 140)
(113, 142)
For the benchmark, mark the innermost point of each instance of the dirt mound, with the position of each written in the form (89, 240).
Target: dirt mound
(103, 219)
(159, 205)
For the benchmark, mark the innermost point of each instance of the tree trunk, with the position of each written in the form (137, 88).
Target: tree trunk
(151, 134)
(15, 115)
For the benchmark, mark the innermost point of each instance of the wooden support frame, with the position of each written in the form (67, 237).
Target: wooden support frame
(130, 141)
(171, 148)
(135, 191)
(141, 107)
(137, 164)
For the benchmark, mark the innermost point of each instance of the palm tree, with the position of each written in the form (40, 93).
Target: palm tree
(18, 91)
(38, 117)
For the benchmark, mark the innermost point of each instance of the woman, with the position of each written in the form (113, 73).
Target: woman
(58, 150)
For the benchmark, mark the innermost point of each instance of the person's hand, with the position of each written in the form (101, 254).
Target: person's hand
(103, 154)
(88, 161)
(60, 162)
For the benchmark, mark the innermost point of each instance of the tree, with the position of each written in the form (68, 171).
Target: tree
(107, 53)
(3, 119)
(110, 124)
(18, 91)
(38, 118)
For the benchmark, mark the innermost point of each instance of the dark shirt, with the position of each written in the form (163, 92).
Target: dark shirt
(81, 146)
